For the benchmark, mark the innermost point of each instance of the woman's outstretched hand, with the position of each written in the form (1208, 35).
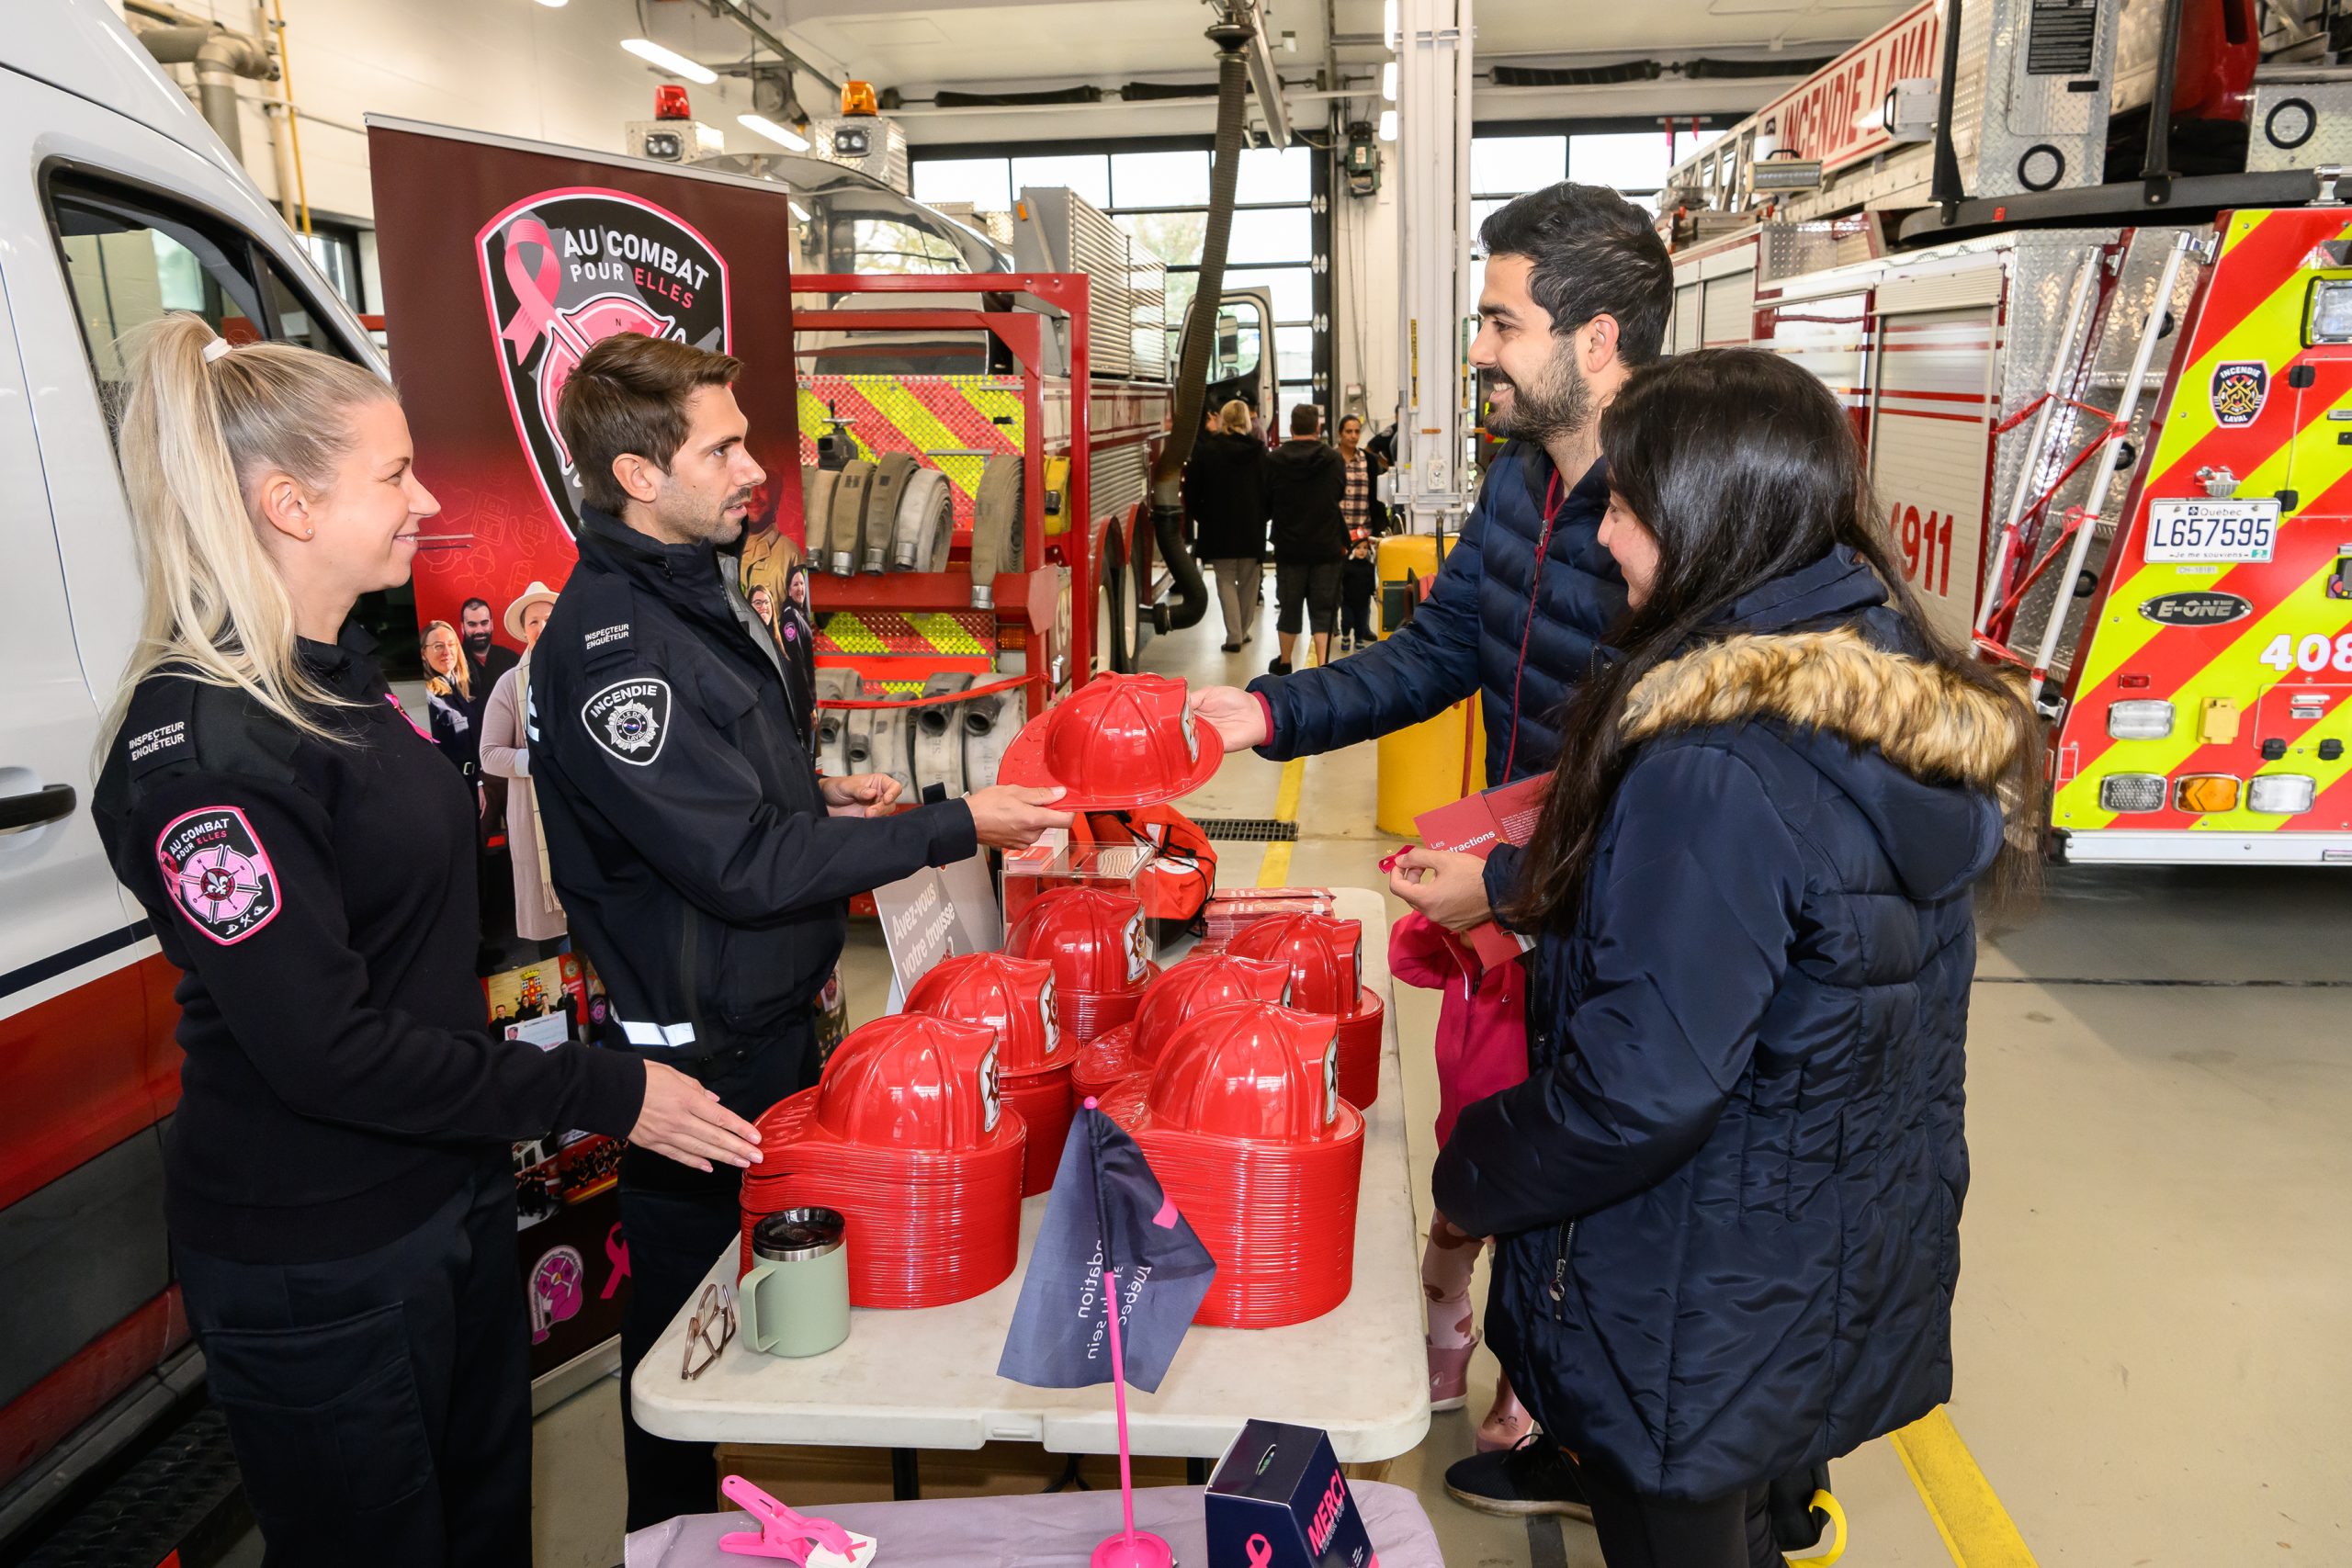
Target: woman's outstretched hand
(1445, 885)
(685, 1121)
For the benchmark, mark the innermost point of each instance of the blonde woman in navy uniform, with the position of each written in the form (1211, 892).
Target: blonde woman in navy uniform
(337, 1175)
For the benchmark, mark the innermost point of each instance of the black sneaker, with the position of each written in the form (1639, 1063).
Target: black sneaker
(1534, 1478)
(1279, 667)
(1232, 647)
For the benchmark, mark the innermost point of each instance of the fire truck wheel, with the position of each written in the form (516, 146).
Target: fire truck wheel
(1114, 609)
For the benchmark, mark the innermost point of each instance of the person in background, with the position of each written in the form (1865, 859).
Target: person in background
(1367, 519)
(507, 754)
(763, 606)
(705, 868)
(489, 659)
(1224, 494)
(1577, 290)
(773, 569)
(1750, 884)
(1359, 585)
(338, 1176)
(451, 709)
(1305, 483)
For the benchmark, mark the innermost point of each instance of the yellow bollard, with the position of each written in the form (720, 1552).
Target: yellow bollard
(1397, 558)
(1421, 767)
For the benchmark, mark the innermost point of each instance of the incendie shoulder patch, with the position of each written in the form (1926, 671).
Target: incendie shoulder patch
(216, 869)
(630, 718)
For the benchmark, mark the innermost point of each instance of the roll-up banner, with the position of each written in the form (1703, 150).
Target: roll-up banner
(502, 261)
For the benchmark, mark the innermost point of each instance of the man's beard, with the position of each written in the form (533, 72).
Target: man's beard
(477, 645)
(1560, 403)
(715, 527)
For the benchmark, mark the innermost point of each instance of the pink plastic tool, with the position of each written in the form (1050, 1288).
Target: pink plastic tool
(812, 1543)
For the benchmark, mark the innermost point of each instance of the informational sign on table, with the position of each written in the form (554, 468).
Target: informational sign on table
(935, 914)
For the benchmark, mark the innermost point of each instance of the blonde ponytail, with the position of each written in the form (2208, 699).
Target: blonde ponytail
(199, 423)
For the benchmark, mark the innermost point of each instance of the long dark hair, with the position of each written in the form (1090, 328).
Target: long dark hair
(1746, 469)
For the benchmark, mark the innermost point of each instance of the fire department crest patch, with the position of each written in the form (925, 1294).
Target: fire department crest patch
(630, 718)
(2240, 388)
(561, 270)
(218, 872)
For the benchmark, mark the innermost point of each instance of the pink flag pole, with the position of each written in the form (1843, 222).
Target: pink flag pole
(1129, 1547)
(1119, 1397)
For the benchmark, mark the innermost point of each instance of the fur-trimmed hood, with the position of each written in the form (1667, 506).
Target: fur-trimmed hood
(1919, 751)
(1928, 722)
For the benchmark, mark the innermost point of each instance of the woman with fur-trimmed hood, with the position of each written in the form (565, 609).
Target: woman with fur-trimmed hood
(1728, 1197)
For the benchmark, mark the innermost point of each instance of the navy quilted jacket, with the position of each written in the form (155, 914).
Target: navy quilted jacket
(1729, 1196)
(1464, 641)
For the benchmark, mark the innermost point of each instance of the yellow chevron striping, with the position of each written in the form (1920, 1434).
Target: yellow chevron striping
(2302, 756)
(2236, 671)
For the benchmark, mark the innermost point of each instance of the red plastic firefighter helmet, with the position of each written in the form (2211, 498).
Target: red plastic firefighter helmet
(913, 1082)
(1192, 987)
(1117, 742)
(1093, 938)
(1012, 996)
(1324, 956)
(1253, 1070)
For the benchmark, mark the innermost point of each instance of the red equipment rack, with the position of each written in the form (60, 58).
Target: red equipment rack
(1097, 417)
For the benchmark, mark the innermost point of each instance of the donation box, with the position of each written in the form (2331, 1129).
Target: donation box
(1279, 1501)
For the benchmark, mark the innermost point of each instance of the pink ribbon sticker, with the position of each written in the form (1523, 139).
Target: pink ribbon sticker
(1262, 1551)
(537, 289)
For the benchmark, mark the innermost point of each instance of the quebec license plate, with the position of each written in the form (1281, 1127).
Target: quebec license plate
(2212, 530)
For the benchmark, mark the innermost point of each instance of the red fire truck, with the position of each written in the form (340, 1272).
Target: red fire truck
(2100, 413)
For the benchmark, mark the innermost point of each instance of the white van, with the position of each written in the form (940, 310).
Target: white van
(116, 203)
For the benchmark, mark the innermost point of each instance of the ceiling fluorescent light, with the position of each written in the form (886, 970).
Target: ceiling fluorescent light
(669, 60)
(783, 135)
(1388, 81)
(1388, 26)
(1388, 125)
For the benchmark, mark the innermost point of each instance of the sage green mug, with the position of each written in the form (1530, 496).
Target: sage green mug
(794, 1302)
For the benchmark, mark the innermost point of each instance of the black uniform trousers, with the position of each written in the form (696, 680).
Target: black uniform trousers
(380, 1405)
(677, 1221)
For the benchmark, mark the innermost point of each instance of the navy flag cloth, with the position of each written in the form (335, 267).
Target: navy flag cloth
(1106, 1209)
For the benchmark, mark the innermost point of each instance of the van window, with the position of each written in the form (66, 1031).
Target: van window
(130, 256)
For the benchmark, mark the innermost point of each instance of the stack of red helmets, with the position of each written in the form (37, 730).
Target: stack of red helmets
(1117, 742)
(1245, 1129)
(1201, 981)
(1015, 997)
(1325, 959)
(908, 1137)
(1094, 939)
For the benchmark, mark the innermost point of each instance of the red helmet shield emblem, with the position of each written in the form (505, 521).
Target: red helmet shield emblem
(561, 270)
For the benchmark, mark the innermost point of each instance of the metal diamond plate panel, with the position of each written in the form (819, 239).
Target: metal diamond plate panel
(2038, 132)
(2300, 125)
(2112, 362)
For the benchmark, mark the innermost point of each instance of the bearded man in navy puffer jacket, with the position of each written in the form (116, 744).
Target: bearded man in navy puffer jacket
(1578, 292)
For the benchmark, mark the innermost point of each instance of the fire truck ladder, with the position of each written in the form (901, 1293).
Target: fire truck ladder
(2002, 632)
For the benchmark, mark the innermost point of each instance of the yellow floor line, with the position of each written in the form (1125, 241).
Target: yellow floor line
(1274, 870)
(1977, 1530)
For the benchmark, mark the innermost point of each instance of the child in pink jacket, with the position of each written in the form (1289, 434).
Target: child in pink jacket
(1481, 1049)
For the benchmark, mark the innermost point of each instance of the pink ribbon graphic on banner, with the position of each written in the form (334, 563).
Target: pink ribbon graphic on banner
(1262, 1551)
(615, 1249)
(536, 289)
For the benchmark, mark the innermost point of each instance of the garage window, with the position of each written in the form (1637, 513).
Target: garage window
(1160, 194)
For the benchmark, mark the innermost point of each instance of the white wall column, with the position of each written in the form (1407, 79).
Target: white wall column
(1432, 173)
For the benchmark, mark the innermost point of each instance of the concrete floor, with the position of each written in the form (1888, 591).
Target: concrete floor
(2151, 1332)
